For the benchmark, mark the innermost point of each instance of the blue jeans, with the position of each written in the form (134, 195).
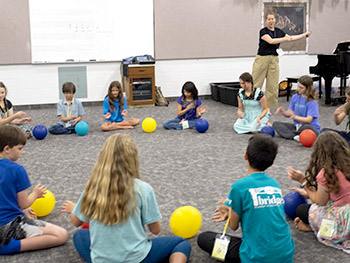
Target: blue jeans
(162, 247)
(81, 240)
(174, 124)
(60, 129)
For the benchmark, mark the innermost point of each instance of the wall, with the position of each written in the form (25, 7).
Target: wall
(38, 84)
(329, 24)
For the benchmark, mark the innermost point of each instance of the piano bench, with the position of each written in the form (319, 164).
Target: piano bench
(291, 80)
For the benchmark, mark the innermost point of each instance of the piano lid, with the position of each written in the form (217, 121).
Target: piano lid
(342, 46)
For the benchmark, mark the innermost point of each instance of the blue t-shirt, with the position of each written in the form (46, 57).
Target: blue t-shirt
(116, 115)
(303, 107)
(192, 113)
(257, 199)
(124, 242)
(13, 179)
(75, 107)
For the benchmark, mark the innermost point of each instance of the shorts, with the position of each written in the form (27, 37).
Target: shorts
(21, 227)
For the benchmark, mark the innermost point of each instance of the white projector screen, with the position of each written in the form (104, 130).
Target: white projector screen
(90, 30)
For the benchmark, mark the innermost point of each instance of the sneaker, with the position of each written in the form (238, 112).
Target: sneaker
(296, 138)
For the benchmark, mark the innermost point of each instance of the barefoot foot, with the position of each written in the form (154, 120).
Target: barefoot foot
(300, 225)
(127, 127)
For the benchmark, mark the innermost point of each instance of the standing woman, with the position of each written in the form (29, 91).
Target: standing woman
(266, 64)
(252, 109)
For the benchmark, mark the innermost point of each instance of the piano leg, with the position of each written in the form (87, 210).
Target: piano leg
(328, 88)
(343, 85)
(320, 88)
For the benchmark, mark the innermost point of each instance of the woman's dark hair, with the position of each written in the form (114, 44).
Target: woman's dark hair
(191, 88)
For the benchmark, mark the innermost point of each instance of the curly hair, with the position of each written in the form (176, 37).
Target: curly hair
(330, 152)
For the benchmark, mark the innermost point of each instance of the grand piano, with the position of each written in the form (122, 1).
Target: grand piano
(334, 65)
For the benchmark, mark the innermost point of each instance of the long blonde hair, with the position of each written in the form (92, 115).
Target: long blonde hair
(331, 152)
(109, 196)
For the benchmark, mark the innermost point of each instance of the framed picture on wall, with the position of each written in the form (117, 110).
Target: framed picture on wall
(293, 18)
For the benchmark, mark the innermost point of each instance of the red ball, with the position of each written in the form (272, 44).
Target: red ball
(85, 225)
(307, 137)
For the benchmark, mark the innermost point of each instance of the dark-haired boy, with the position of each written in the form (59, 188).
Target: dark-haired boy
(70, 111)
(18, 230)
(256, 202)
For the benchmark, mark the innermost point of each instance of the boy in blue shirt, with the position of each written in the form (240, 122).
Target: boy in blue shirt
(19, 229)
(257, 203)
(70, 110)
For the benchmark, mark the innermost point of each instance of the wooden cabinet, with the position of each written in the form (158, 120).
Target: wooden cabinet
(141, 86)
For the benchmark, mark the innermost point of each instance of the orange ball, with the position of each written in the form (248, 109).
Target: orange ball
(307, 137)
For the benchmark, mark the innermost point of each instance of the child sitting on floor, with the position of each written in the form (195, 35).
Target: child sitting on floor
(255, 202)
(115, 110)
(118, 205)
(326, 180)
(7, 116)
(70, 111)
(189, 109)
(19, 231)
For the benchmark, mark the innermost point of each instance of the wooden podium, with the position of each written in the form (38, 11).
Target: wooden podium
(140, 87)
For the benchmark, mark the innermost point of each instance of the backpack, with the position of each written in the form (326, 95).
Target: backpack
(160, 99)
(283, 85)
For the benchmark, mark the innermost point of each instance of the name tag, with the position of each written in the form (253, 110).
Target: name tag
(185, 125)
(280, 51)
(220, 247)
(326, 229)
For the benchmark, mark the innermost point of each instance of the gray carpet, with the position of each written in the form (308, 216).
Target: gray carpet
(184, 168)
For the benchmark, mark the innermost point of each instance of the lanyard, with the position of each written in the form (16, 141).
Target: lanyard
(299, 113)
(70, 113)
(329, 208)
(274, 35)
(185, 103)
(4, 110)
(223, 233)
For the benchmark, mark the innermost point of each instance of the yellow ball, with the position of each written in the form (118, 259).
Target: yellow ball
(149, 125)
(185, 221)
(44, 206)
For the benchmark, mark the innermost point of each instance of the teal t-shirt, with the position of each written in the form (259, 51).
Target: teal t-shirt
(258, 201)
(124, 242)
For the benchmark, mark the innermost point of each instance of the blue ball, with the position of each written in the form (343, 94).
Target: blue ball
(39, 132)
(202, 125)
(268, 130)
(291, 201)
(82, 128)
